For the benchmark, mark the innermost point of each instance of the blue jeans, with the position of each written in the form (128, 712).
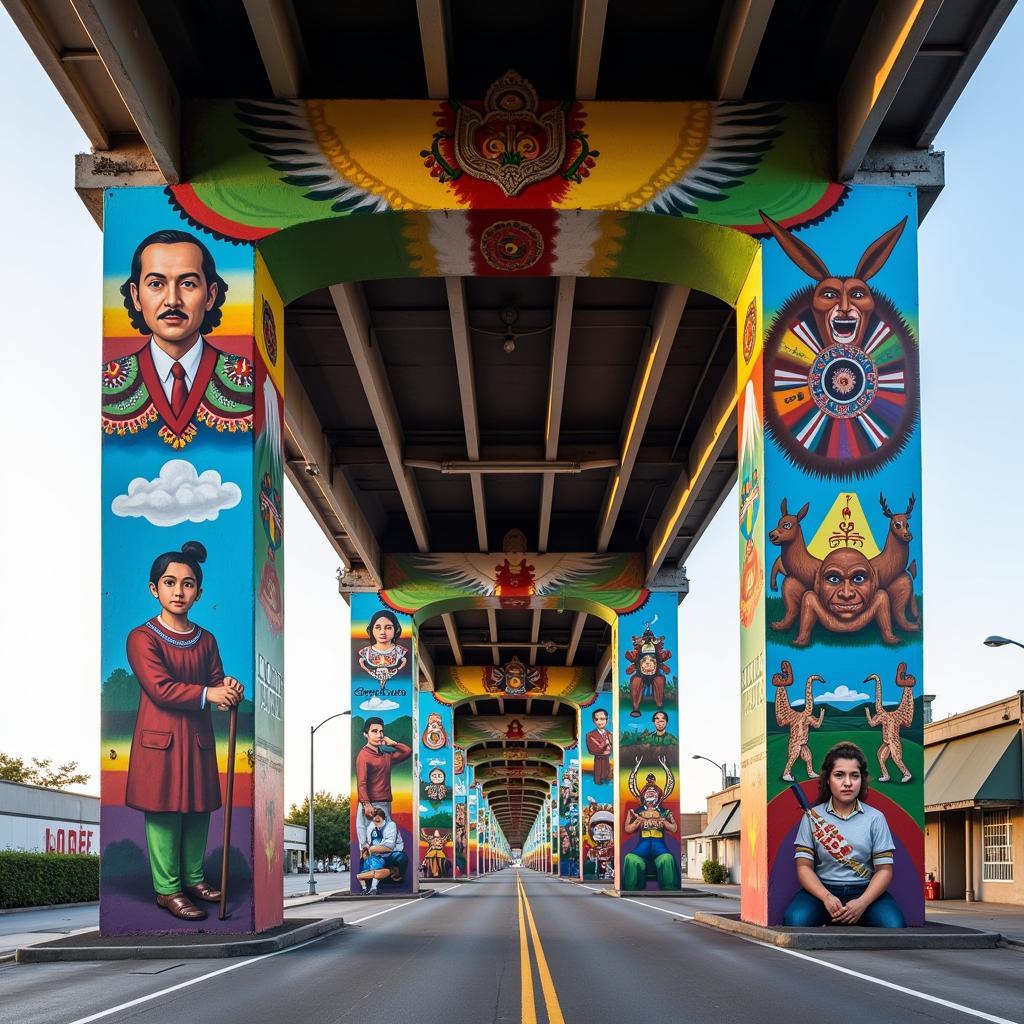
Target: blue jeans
(807, 911)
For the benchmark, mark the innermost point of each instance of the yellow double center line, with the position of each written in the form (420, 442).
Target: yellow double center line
(547, 986)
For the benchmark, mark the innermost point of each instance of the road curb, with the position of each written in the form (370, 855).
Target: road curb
(358, 897)
(929, 937)
(53, 953)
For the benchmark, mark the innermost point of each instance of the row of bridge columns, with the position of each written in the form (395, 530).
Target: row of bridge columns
(829, 469)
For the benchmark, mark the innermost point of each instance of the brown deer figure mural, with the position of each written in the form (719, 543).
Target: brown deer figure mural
(797, 564)
(799, 722)
(891, 721)
(895, 575)
(842, 306)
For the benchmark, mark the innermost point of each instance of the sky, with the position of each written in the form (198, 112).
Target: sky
(972, 376)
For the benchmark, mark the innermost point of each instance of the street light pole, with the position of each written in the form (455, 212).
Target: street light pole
(312, 797)
(1000, 641)
(720, 767)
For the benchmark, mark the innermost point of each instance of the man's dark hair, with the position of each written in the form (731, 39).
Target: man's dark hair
(170, 237)
(373, 720)
(848, 751)
(596, 712)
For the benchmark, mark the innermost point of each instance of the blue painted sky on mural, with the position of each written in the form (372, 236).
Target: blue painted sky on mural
(49, 521)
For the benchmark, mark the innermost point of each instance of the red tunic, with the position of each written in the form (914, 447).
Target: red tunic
(173, 763)
(373, 772)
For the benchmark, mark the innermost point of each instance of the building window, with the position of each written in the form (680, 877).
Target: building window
(996, 846)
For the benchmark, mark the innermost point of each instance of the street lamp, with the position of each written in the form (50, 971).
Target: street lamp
(1000, 641)
(720, 767)
(312, 797)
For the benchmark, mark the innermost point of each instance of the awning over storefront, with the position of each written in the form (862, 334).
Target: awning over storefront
(982, 768)
(725, 823)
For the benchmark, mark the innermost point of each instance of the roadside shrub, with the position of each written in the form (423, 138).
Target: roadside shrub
(714, 873)
(42, 879)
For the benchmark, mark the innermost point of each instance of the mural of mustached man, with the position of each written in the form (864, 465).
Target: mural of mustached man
(192, 653)
(837, 657)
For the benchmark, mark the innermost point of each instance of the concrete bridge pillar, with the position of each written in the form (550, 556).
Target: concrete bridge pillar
(192, 459)
(384, 737)
(829, 546)
(569, 813)
(645, 720)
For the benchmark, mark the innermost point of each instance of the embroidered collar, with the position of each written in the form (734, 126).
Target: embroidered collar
(178, 640)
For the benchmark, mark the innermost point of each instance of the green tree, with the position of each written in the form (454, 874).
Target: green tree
(330, 823)
(41, 772)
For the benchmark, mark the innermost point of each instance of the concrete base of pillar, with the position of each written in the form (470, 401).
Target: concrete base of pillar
(931, 936)
(90, 946)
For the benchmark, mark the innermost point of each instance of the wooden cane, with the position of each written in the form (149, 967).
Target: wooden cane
(229, 800)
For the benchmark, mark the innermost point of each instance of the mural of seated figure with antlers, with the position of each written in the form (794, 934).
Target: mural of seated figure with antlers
(846, 590)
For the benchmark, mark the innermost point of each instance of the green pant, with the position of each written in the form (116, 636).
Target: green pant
(177, 846)
(634, 872)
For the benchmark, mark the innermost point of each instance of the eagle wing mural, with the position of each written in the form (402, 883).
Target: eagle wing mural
(283, 133)
(557, 571)
(740, 135)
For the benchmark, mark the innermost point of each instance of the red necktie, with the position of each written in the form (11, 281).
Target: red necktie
(179, 389)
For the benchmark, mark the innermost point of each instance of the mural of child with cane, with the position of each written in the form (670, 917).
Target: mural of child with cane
(172, 775)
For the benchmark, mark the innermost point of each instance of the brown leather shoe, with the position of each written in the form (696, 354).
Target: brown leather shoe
(202, 891)
(180, 906)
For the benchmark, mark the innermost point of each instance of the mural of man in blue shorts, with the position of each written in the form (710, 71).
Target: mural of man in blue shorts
(384, 854)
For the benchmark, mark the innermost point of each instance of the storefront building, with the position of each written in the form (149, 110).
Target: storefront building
(974, 803)
(41, 820)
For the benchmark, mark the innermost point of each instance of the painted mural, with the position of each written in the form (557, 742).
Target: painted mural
(597, 765)
(841, 661)
(515, 577)
(718, 162)
(513, 679)
(383, 729)
(193, 686)
(473, 830)
(648, 837)
(436, 788)
(569, 814)
(559, 729)
(463, 776)
(553, 829)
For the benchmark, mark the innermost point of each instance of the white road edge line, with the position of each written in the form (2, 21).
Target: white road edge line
(970, 1011)
(232, 967)
(628, 899)
(846, 970)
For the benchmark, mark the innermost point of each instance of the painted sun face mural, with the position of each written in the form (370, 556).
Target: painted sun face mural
(841, 364)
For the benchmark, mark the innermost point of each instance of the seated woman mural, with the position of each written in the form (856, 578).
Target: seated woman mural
(844, 851)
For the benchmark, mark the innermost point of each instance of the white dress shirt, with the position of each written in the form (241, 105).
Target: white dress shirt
(163, 363)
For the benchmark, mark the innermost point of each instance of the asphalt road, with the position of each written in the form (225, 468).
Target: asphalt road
(545, 951)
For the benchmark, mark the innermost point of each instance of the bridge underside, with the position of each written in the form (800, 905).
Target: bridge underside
(514, 338)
